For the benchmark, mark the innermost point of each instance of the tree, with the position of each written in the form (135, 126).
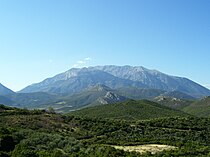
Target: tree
(51, 110)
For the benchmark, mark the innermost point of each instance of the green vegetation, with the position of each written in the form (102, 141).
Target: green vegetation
(129, 110)
(199, 108)
(38, 133)
(139, 93)
(172, 102)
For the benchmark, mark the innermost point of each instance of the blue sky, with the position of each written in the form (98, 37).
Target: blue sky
(41, 38)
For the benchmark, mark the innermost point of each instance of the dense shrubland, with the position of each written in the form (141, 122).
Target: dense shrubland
(38, 133)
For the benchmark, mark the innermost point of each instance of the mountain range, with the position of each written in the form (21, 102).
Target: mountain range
(75, 80)
(87, 87)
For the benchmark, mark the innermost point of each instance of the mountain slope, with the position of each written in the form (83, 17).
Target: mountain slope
(6, 101)
(96, 95)
(76, 80)
(129, 110)
(139, 93)
(31, 100)
(200, 108)
(178, 95)
(172, 102)
(156, 80)
(4, 90)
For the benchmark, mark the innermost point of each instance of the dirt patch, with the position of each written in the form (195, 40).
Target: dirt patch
(153, 148)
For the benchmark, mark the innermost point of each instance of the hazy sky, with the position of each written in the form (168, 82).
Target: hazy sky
(41, 38)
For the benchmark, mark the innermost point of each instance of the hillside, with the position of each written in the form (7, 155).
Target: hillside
(129, 110)
(7, 101)
(96, 95)
(155, 79)
(178, 95)
(75, 80)
(4, 90)
(39, 133)
(199, 108)
(139, 93)
(31, 100)
(173, 102)
(92, 96)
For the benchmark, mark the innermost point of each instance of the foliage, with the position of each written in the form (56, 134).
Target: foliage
(129, 110)
(42, 134)
(199, 108)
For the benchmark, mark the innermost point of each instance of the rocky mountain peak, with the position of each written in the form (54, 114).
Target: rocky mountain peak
(78, 79)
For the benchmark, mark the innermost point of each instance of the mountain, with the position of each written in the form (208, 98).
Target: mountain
(95, 95)
(75, 80)
(110, 98)
(4, 90)
(129, 110)
(7, 101)
(156, 80)
(31, 100)
(200, 108)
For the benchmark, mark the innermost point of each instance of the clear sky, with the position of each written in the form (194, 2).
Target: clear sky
(41, 38)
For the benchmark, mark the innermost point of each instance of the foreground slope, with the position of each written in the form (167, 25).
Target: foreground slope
(37, 133)
(129, 110)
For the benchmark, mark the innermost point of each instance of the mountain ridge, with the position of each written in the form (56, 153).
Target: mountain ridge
(77, 79)
(4, 90)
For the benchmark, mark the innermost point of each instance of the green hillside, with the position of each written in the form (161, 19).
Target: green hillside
(199, 108)
(38, 133)
(129, 110)
(139, 93)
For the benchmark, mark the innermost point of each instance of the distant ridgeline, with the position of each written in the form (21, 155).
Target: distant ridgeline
(95, 86)
(76, 80)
